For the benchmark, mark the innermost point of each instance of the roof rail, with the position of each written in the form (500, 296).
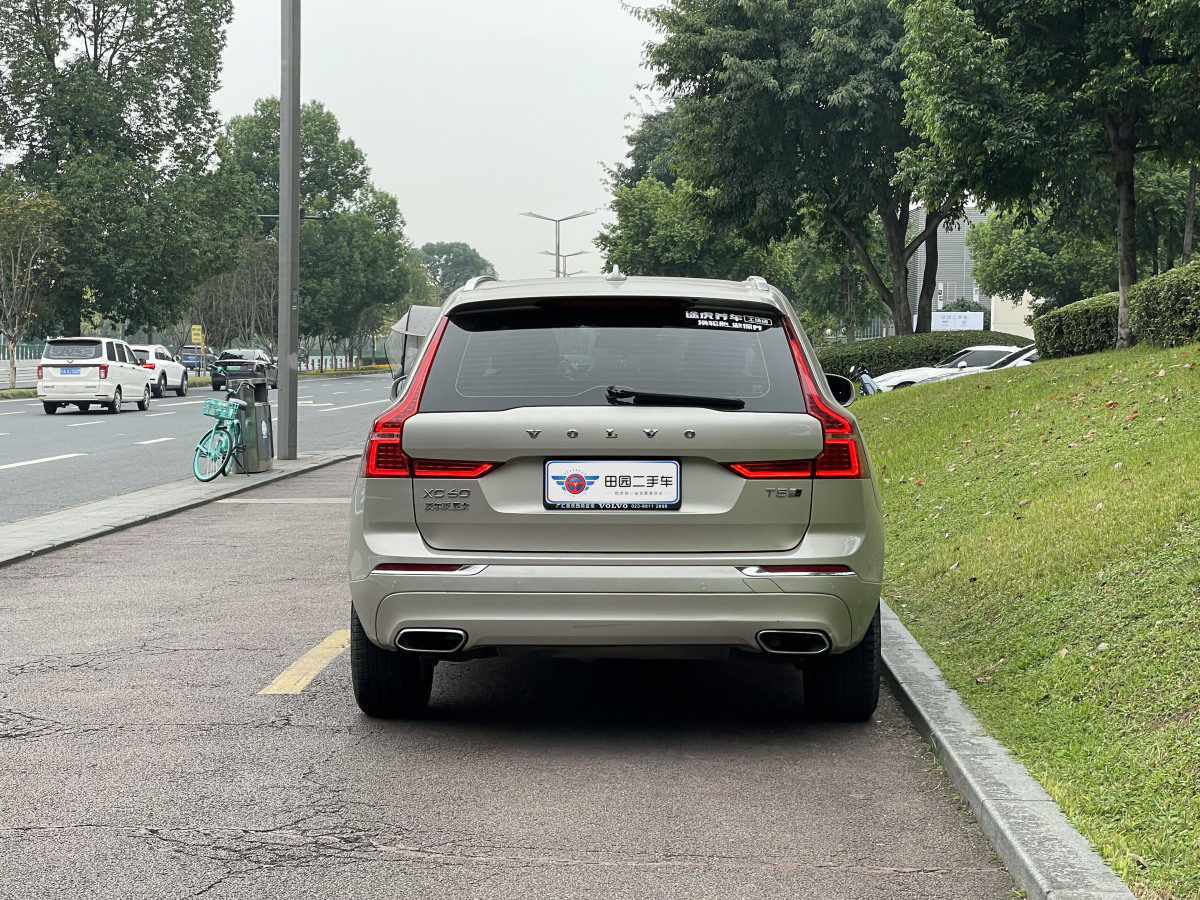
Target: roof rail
(758, 283)
(476, 281)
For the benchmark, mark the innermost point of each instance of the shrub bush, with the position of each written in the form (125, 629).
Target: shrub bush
(1086, 326)
(1165, 310)
(883, 355)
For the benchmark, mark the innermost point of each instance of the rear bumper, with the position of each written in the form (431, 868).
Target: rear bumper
(102, 393)
(590, 606)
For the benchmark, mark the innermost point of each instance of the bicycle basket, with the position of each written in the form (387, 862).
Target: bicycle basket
(220, 409)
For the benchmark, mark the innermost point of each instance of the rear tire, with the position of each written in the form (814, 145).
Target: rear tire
(845, 687)
(388, 684)
(50, 408)
(144, 403)
(115, 406)
(181, 391)
(160, 386)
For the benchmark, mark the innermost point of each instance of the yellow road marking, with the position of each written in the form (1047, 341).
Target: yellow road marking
(297, 676)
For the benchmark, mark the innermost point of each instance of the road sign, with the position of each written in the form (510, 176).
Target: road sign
(197, 334)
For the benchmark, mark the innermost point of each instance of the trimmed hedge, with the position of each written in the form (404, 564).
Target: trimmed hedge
(1086, 326)
(1165, 310)
(882, 355)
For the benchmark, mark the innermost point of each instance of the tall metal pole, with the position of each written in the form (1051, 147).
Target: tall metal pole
(289, 229)
(558, 266)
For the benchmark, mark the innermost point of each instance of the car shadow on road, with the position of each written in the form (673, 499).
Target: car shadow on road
(634, 694)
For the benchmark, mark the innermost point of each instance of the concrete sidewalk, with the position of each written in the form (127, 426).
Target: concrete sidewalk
(1046, 857)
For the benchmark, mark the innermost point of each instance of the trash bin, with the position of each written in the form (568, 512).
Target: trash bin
(258, 436)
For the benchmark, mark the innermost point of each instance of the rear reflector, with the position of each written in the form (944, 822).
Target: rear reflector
(103, 370)
(785, 468)
(801, 569)
(39, 372)
(420, 567)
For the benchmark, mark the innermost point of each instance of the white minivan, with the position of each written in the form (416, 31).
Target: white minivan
(80, 371)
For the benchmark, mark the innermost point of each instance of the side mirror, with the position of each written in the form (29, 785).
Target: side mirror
(397, 385)
(177, 359)
(842, 387)
(962, 364)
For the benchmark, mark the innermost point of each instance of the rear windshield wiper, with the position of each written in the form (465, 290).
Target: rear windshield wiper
(616, 394)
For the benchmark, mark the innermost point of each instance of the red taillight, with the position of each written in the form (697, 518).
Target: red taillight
(784, 468)
(103, 370)
(842, 456)
(39, 371)
(450, 468)
(149, 365)
(383, 456)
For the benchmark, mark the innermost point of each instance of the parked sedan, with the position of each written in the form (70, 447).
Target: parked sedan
(974, 358)
(167, 371)
(1022, 357)
(260, 357)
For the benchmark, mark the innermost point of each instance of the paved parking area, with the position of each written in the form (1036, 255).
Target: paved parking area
(138, 757)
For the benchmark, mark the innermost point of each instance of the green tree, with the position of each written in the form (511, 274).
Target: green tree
(793, 115)
(451, 265)
(333, 169)
(1014, 95)
(29, 249)
(106, 105)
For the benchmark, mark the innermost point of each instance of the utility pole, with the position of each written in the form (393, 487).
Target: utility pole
(289, 229)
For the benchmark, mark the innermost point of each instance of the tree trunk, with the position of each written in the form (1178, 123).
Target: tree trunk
(894, 232)
(850, 280)
(928, 284)
(12, 360)
(1123, 142)
(1189, 218)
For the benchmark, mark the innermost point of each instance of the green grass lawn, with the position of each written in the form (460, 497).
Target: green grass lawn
(1043, 530)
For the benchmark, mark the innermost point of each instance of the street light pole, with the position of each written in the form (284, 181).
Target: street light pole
(289, 228)
(560, 265)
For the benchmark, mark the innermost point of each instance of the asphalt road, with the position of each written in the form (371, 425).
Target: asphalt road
(48, 463)
(139, 759)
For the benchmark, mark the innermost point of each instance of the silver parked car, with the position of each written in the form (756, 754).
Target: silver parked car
(616, 467)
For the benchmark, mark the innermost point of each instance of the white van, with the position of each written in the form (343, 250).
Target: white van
(86, 370)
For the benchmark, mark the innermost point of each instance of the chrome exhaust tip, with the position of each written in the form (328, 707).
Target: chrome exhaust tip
(794, 643)
(431, 640)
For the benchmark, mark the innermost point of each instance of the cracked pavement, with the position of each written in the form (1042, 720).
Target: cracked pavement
(137, 759)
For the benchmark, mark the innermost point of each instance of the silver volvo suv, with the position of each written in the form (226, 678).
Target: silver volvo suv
(616, 467)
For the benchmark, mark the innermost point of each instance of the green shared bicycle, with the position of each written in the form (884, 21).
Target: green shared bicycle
(217, 450)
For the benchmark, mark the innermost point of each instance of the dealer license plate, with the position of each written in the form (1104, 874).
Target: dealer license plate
(69, 370)
(613, 484)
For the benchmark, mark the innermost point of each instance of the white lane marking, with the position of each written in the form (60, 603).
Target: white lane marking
(156, 415)
(305, 396)
(155, 441)
(366, 390)
(183, 403)
(353, 405)
(5, 433)
(45, 459)
(15, 412)
(335, 393)
(82, 424)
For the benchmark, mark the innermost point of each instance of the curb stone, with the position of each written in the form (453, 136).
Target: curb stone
(32, 537)
(1025, 826)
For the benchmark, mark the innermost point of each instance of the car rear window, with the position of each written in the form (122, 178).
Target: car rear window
(73, 350)
(566, 355)
(140, 355)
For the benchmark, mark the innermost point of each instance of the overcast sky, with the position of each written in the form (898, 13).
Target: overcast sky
(469, 111)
